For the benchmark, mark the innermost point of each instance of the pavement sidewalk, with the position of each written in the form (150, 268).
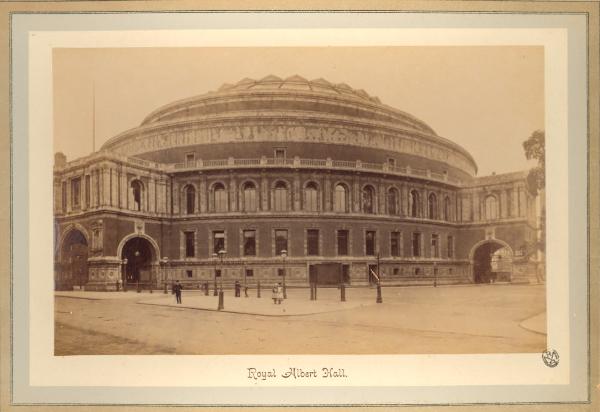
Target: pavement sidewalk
(254, 306)
(535, 323)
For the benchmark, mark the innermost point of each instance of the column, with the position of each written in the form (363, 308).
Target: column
(503, 204)
(203, 194)
(69, 200)
(233, 193)
(264, 192)
(124, 188)
(467, 207)
(57, 196)
(93, 200)
(297, 204)
(327, 193)
(476, 206)
(114, 188)
(424, 206)
(522, 202)
(404, 199)
(514, 211)
(168, 188)
(151, 195)
(160, 194)
(381, 206)
(175, 195)
(105, 186)
(356, 197)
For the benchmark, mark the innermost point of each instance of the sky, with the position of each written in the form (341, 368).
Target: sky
(487, 99)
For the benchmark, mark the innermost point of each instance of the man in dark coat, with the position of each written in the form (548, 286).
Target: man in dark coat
(177, 290)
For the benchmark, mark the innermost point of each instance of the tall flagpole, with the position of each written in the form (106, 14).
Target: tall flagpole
(93, 117)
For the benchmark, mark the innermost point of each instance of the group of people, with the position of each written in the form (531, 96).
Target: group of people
(277, 292)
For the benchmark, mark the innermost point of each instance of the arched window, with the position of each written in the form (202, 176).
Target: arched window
(432, 206)
(280, 195)
(392, 201)
(250, 201)
(368, 197)
(491, 207)
(311, 200)
(447, 210)
(136, 194)
(190, 199)
(340, 203)
(415, 205)
(220, 198)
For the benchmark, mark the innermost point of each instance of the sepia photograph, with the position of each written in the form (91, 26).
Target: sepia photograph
(300, 201)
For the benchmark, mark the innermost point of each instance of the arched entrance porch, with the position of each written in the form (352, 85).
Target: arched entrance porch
(491, 261)
(73, 260)
(142, 261)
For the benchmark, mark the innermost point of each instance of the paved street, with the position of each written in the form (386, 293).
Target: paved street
(411, 320)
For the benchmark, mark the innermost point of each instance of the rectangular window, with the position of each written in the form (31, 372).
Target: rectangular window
(190, 159)
(342, 242)
(64, 196)
(435, 246)
(370, 243)
(218, 273)
(391, 162)
(87, 191)
(450, 246)
(396, 271)
(76, 192)
(190, 244)
(249, 242)
(395, 243)
(281, 241)
(279, 153)
(416, 244)
(249, 273)
(312, 242)
(280, 272)
(189, 273)
(218, 241)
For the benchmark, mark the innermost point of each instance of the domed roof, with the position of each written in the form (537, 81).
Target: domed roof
(297, 82)
(275, 85)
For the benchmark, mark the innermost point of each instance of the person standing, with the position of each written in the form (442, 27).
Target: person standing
(238, 288)
(279, 293)
(177, 290)
(274, 295)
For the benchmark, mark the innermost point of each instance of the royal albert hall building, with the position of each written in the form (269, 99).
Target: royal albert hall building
(271, 178)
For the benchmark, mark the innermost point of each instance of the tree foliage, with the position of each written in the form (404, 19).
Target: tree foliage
(535, 148)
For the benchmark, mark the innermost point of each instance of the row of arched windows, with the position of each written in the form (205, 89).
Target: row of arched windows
(281, 200)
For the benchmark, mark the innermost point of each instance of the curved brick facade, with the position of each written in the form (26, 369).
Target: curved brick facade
(347, 181)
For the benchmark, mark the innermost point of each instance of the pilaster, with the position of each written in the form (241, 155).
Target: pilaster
(327, 193)
(296, 192)
(233, 193)
(151, 195)
(203, 195)
(176, 196)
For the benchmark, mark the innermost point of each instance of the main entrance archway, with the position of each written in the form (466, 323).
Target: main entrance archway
(491, 261)
(140, 255)
(73, 261)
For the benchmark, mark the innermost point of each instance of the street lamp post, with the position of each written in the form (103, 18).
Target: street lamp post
(435, 274)
(215, 256)
(379, 297)
(222, 254)
(283, 256)
(221, 306)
